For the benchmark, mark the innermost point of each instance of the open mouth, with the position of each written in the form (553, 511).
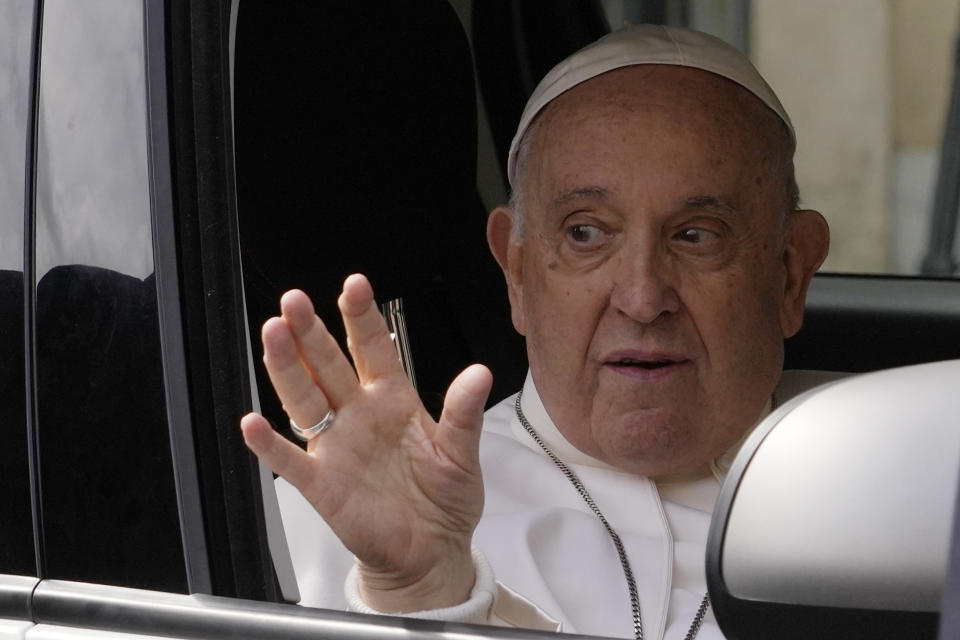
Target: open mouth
(643, 364)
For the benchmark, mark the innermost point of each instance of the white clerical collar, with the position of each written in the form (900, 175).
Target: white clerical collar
(537, 414)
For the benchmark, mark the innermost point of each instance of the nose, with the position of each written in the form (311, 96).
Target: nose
(644, 289)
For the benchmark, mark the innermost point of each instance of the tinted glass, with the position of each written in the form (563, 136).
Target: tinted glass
(109, 502)
(16, 531)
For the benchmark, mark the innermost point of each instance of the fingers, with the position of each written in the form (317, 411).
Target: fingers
(284, 458)
(302, 399)
(374, 353)
(318, 350)
(462, 417)
(306, 366)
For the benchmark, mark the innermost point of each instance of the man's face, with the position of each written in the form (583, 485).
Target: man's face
(651, 273)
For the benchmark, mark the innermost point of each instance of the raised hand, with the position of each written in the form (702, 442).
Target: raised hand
(402, 492)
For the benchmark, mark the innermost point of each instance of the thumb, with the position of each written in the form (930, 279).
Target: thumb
(462, 416)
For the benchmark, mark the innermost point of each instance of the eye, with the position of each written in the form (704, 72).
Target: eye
(697, 235)
(585, 235)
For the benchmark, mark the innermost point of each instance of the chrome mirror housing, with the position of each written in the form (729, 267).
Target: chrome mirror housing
(835, 519)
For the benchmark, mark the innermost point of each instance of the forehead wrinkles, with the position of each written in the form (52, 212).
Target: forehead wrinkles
(731, 117)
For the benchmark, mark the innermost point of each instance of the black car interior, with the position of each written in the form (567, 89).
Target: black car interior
(356, 152)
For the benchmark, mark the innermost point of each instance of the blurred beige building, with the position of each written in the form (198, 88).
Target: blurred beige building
(867, 84)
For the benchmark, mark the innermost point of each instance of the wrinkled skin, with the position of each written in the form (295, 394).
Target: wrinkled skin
(403, 493)
(659, 268)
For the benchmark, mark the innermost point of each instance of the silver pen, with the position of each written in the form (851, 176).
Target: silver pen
(393, 313)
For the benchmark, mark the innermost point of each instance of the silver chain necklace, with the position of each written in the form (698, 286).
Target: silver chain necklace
(624, 562)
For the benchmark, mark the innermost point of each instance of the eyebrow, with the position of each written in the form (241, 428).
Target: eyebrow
(580, 192)
(710, 202)
(600, 193)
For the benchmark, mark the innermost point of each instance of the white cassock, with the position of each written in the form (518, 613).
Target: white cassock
(544, 559)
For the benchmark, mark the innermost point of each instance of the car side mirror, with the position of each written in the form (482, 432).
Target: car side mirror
(835, 519)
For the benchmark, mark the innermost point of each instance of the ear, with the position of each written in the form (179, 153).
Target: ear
(808, 240)
(507, 248)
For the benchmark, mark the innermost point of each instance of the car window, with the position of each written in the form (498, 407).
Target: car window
(16, 533)
(108, 495)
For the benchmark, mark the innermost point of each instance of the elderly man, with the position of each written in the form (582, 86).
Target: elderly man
(655, 260)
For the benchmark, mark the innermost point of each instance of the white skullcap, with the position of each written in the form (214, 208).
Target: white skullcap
(645, 44)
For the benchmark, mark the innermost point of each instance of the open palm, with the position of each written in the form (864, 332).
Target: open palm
(401, 491)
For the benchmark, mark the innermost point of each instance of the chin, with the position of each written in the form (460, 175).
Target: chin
(648, 447)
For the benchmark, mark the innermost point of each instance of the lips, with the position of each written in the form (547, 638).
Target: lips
(644, 363)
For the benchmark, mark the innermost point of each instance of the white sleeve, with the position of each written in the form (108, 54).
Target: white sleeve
(490, 603)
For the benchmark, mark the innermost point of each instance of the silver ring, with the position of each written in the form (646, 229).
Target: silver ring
(312, 432)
